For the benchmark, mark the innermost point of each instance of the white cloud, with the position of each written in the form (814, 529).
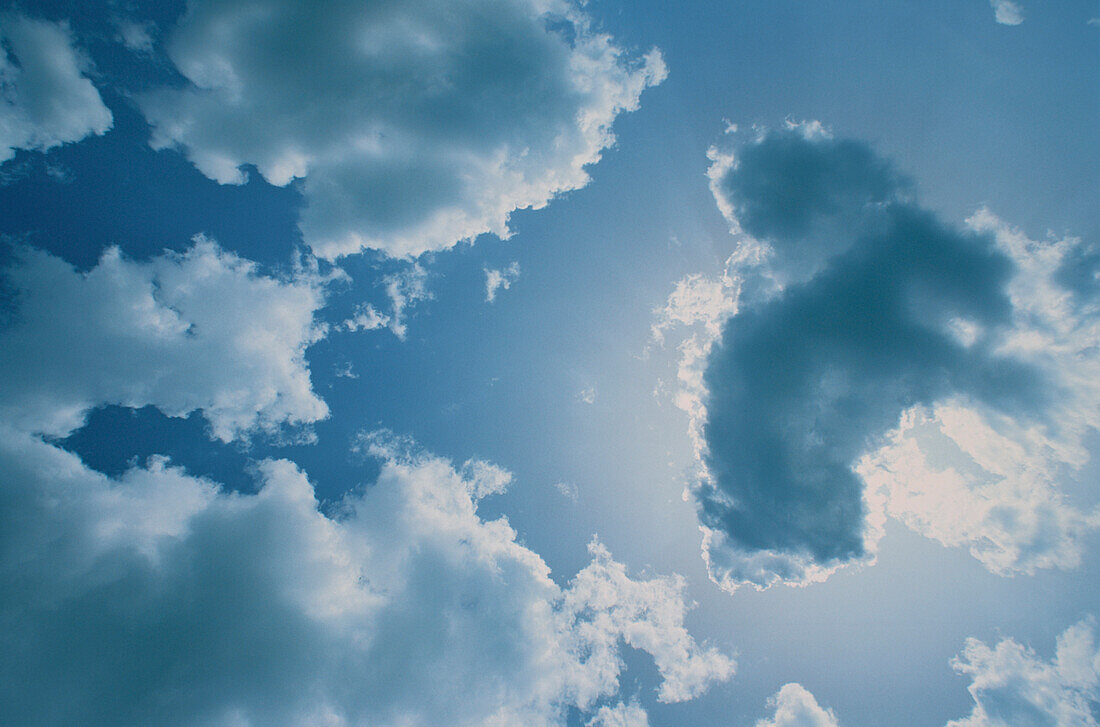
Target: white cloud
(182, 332)
(795, 707)
(1007, 12)
(366, 318)
(405, 289)
(47, 100)
(967, 476)
(696, 309)
(345, 371)
(647, 615)
(496, 280)
(218, 608)
(621, 715)
(414, 125)
(568, 490)
(137, 37)
(1011, 685)
(697, 299)
(973, 480)
(588, 395)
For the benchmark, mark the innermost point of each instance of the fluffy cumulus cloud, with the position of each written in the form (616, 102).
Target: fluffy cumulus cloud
(794, 706)
(1007, 12)
(412, 125)
(859, 357)
(1011, 685)
(198, 330)
(160, 597)
(46, 99)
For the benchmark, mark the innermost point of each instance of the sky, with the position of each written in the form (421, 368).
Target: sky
(537, 362)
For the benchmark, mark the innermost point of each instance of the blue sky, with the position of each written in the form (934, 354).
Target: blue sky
(521, 362)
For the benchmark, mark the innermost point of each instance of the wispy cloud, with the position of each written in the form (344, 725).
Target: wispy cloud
(1007, 12)
(137, 37)
(568, 490)
(405, 289)
(497, 280)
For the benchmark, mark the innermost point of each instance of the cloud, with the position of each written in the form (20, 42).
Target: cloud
(1011, 685)
(621, 715)
(1007, 12)
(345, 370)
(568, 490)
(137, 37)
(702, 304)
(413, 125)
(496, 280)
(803, 192)
(795, 707)
(201, 329)
(47, 99)
(964, 479)
(367, 318)
(697, 299)
(405, 288)
(965, 476)
(851, 324)
(160, 596)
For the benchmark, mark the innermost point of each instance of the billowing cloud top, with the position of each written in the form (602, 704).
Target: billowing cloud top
(216, 608)
(1012, 685)
(868, 307)
(45, 98)
(795, 706)
(182, 332)
(413, 125)
(160, 596)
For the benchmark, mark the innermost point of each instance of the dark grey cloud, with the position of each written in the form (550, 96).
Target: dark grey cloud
(807, 379)
(802, 194)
